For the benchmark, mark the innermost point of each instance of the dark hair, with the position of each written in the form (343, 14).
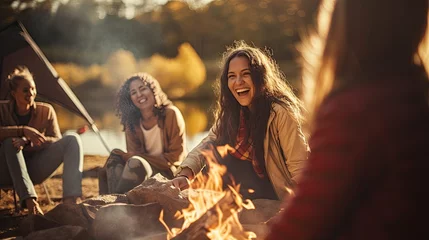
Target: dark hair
(270, 87)
(125, 108)
(19, 73)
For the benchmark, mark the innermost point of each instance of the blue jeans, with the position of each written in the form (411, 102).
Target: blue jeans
(23, 172)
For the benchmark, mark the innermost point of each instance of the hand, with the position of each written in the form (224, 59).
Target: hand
(125, 156)
(19, 143)
(180, 182)
(34, 136)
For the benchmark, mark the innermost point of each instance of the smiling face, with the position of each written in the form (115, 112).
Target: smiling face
(25, 93)
(141, 95)
(240, 81)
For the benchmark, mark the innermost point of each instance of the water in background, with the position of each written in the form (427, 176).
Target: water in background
(197, 115)
(92, 144)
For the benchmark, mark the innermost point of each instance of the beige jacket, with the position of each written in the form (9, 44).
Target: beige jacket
(43, 118)
(285, 151)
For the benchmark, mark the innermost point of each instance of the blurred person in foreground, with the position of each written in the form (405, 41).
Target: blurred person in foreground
(32, 147)
(155, 136)
(369, 155)
(259, 119)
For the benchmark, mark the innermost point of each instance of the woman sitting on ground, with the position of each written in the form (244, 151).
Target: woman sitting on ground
(155, 136)
(32, 147)
(260, 117)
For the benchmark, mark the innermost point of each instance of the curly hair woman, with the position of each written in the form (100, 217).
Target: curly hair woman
(260, 117)
(155, 135)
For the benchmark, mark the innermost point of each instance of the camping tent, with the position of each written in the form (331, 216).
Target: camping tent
(18, 48)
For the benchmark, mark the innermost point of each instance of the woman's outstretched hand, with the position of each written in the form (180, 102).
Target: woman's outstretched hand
(180, 182)
(183, 179)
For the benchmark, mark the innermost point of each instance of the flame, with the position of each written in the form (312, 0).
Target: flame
(290, 191)
(204, 192)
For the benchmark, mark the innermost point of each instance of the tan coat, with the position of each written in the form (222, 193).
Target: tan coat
(173, 141)
(43, 119)
(285, 151)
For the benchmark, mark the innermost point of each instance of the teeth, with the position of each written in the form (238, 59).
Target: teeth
(242, 90)
(142, 101)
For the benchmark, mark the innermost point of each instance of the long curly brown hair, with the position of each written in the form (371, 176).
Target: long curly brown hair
(270, 87)
(126, 110)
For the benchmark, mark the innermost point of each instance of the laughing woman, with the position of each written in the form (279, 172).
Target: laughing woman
(31, 145)
(155, 136)
(260, 117)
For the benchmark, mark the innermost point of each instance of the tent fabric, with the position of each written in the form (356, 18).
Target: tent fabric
(18, 48)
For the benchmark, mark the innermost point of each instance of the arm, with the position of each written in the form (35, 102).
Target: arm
(53, 132)
(194, 161)
(175, 150)
(331, 182)
(134, 149)
(6, 130)
(292, 143)
(11, 131)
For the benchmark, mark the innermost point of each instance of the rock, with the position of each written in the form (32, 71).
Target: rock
(159, 236)
(107, 199)
(60, 233)
(72, 214)
(126, 221)
(264, 210)
(261, 230)
(159, 189)
(34, 223)
(90, 211)
(64, 214)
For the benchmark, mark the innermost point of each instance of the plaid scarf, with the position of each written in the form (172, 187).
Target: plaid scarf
(244, 150)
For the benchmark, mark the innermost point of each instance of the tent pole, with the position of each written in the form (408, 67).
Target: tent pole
(95, 129)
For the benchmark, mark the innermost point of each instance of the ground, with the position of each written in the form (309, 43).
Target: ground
(8, 218)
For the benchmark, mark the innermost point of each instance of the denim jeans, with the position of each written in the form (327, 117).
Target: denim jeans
(23, 172)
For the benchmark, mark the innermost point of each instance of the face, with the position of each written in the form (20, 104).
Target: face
(240, 81)
(25, 93)
(141, 95)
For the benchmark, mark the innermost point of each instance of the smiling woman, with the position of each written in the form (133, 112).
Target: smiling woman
(240, 81)
(260, 117)
(31, 145)
(154, 132)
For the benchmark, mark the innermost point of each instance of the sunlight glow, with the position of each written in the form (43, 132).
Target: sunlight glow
(129, 10)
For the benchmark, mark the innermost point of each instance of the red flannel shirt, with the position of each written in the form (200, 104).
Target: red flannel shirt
(367, 169)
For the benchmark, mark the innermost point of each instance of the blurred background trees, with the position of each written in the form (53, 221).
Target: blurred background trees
(88, 31)
(95, 44)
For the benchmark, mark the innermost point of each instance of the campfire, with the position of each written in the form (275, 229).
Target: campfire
(213, 211)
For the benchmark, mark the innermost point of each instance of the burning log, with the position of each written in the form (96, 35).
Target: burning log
(219, 213)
